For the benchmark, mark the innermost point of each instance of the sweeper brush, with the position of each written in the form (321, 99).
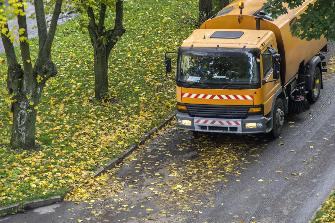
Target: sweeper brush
(298, 104)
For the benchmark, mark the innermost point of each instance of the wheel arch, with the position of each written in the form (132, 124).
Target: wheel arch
(314, 63)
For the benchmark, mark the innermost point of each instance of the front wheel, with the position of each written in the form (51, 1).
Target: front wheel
(278, 118)
(314, 94)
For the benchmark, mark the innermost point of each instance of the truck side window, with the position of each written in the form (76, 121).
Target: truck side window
(267, 62)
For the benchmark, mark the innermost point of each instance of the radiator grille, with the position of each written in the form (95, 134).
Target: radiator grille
(212, 111)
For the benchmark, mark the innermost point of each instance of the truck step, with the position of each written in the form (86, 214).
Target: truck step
(324, 67)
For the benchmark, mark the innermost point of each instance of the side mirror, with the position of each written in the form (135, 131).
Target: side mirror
(168, 64)
(276, 66)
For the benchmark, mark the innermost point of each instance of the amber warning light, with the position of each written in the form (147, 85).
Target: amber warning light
(241, 6)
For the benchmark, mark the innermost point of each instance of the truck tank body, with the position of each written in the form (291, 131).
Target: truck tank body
(293, 50)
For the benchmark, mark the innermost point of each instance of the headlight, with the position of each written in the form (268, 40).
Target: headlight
(185, 122)
(254, 125)
(251, 125)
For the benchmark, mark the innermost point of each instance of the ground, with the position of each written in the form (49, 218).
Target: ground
(77, 135)
(215, 178)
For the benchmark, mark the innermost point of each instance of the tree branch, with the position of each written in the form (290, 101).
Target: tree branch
(25, 50)
(92, 27)
(115, 34)
(15, 74)
(9, 47)
(41, 23)
(52, 30)
(102, 17)
(119, 15)
(113, 37)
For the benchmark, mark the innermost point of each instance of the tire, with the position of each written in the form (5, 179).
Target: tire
(314, 94)
(278, 118)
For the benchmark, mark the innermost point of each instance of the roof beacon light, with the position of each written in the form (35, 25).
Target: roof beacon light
(241, 6)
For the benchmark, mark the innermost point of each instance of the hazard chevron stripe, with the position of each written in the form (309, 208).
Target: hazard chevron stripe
(217, 122)
(218, 97)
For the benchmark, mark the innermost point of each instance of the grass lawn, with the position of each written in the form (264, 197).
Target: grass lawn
(327, 212)
(76, 135)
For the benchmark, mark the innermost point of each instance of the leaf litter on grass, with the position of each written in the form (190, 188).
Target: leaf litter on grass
(77, 135)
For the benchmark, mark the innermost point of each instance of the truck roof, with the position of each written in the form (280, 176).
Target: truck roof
(228, 38)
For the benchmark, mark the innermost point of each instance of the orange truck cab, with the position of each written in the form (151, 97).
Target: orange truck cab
(242, 73)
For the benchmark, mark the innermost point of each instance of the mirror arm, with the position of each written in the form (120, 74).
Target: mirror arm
(168, 62)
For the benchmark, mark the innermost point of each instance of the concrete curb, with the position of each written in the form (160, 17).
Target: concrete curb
(16, 208)
(112, 163)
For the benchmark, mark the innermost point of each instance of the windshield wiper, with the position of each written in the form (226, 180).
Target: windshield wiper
(236, 85)
(193, 84)
(228, 85)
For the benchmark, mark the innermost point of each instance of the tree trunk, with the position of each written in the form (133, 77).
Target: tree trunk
(24, 124)
(101, 71)
(205, 10)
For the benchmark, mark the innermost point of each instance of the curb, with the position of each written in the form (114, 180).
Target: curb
(17, 208)
(112, 163)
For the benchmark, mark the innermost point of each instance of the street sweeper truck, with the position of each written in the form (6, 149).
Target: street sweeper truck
(244, 70)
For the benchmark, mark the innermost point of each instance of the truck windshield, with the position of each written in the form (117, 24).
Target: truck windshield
(231, 67)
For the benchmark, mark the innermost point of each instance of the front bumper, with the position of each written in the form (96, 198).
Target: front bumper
(252, 124)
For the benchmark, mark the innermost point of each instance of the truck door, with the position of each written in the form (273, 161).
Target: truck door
(269, 85)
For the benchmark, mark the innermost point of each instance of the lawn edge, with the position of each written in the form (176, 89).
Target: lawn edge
(116, 161)
(22, 207)
(321, 206)
(38, 203)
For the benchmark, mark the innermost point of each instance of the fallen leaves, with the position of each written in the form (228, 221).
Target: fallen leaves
(78, 135)
(327, 212)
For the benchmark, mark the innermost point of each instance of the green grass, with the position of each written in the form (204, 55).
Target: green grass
(327, 212)
(77, 136)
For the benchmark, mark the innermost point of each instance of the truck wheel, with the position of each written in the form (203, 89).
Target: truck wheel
(278, 118)
(314, 94)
